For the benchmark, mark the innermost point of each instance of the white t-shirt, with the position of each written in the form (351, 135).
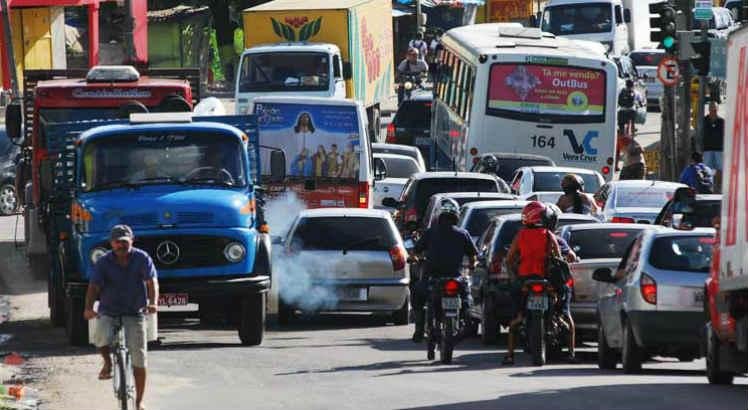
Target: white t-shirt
(421, 46)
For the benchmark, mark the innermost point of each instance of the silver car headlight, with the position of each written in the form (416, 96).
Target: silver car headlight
(97, 253)
(234, 252)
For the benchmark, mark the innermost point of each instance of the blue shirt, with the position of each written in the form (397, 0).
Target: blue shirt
(445, 246)
(123, 290)
(688, 176)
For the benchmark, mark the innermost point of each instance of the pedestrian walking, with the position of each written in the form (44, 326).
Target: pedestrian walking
(634, 166)
(697, 175)
(714, 140)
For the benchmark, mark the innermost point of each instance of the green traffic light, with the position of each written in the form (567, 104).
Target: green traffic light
(668, 42)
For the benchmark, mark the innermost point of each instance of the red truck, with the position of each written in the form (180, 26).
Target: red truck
(726, 332)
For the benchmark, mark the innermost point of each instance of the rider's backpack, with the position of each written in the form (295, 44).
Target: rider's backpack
(704, 180)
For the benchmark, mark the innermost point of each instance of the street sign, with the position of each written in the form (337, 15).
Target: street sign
(668, 71)
(703, 10)
(718, 60)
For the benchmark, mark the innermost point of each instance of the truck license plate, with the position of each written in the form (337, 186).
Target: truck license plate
(537, 303)
(353, 294)
(172, 299)
(450, 303)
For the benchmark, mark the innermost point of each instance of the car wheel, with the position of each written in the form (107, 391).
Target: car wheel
(714, 374)
(631, 355)
(252, 321)
(8, 200)
(285, 312)
(489, 324)
(606, 356)
(402, 316)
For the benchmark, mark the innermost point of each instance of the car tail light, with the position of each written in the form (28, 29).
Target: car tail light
(363, 195)
(537, 288)
(451, 287)
(410, 215)
(391, 139)
(648, 288)
(622, 220)
(399, 256)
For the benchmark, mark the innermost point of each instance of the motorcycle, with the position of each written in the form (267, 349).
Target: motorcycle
(408, 82)
(545, 329)
(444, 318)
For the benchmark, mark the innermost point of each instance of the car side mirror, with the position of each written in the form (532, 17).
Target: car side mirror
(277, 166)
(277, 240)
(603, 275)
(390, 202)
(14, 121)
(347, 70)
(380, 169)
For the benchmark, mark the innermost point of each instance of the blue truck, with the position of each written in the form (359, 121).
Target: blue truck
(188, 186)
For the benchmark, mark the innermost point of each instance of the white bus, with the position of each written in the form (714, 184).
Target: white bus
(503, 88)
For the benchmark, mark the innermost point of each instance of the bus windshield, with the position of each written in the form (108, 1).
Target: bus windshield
(182, 158)
(284, 72)
(578, 18)
(557, 93)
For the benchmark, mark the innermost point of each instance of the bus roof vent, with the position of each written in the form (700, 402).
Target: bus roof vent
(520, 32)
(112, 74)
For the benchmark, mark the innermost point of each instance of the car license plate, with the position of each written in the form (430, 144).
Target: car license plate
(353, 294)
(698, 298)
(537, 303)
(172, 299)
(423, 141)
(451, 303)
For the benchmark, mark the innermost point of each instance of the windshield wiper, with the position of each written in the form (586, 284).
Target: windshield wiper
(114, 185)
(207, 181)
(153, 180)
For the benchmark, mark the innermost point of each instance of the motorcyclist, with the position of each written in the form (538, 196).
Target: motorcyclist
(529, 254)
(574, 200)
(445, 246)
(413, 64)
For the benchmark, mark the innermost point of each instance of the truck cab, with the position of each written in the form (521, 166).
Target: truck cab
(604, 21)
(290, 69)
(187, 189)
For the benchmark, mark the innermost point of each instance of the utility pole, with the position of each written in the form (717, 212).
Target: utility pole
(683, 135)
(419, 15)
(11, 69)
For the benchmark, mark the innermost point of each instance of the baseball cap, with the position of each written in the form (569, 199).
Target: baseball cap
(121, 232)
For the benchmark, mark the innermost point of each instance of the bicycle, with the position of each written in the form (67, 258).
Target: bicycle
(123, 379)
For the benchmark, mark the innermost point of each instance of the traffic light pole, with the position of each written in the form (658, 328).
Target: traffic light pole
(668, 149)
(699, 138)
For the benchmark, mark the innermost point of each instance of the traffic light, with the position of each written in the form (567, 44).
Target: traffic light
(702, 53)
(662, 25)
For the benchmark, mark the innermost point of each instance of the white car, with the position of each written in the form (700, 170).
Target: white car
(399, 169)
(646, 61)
(475, 217)
(531, 181)
(634, 201)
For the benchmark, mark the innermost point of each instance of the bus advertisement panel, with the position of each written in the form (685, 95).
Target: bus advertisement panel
(546, 90)
(322, 146)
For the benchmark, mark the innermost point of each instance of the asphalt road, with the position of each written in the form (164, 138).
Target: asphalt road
(332, 361)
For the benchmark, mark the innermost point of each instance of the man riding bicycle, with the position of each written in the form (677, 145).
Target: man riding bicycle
(445, 245)
(124, 281)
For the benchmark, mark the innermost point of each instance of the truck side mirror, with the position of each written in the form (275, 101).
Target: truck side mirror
(347, 70)
(380, 169)
(14, 121)
(277, 166)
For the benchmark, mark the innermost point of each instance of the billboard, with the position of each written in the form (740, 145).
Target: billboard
(546, 89)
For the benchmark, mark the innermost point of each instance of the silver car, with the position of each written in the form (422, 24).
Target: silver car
(475, 217)
(529, 181)
(399, 169)
(646, 60)
(343, 260)
(653, 304)
(597, 245)
(634, 201)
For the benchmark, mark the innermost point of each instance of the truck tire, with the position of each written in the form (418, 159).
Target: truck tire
(488, 322)
(252, 321)
(606, 356)
(631, 357)
(56, 300)
(76, 327)
(714, 374)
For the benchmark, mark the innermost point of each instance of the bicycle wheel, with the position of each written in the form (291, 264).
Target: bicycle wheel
(124, 380)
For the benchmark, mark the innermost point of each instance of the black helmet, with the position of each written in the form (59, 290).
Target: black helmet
(449, 211)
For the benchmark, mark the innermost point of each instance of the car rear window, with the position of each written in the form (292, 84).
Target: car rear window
(646, 59)
(401, 167)
(601, 243)
(479, 219)
(343, 233)
(428, 187)
(507, 232)
(509, 165)
(573, 221)
(551, 181)
(646, 197)
(682, 253)
(699, 213)
(414, 114)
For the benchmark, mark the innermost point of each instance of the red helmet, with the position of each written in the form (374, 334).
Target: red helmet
(533, 213)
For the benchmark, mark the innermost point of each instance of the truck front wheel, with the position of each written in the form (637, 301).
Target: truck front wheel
(76, 326)
(252, 320)
(713, 371)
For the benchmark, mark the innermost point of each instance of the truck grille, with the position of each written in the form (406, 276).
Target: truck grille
(194, 217)
(147, 219)
(194, 251)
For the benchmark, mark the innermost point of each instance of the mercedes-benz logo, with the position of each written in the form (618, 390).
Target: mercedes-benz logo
(167, 252)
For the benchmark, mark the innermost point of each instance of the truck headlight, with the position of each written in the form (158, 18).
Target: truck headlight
(97, 253)
(234, 252)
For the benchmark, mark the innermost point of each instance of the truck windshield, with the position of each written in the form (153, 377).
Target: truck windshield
(284, 72)
(162, 158)
(579, 18)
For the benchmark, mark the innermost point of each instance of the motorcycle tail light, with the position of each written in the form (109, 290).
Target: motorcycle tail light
(391, 138)
(537, 288)
(570, 283)
(451, 287)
